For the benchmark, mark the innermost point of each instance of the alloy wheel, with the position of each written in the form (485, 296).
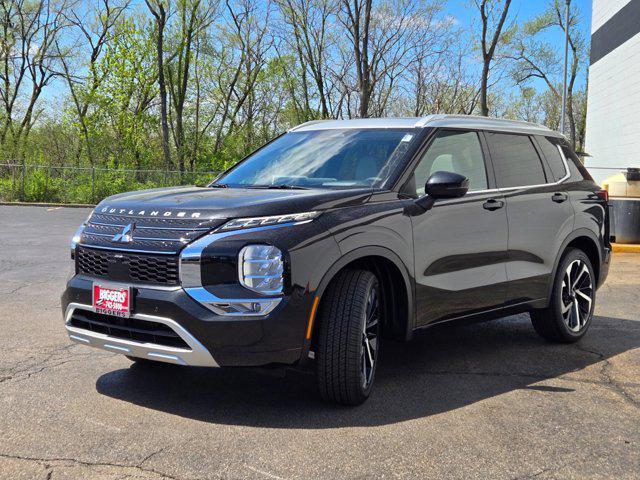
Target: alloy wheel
(369, 353)
(576, 295)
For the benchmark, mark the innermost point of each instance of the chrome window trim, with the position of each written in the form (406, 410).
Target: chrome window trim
(198, 355)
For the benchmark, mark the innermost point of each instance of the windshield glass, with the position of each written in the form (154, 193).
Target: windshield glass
(348, 158)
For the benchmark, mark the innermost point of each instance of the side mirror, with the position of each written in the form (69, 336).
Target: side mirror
(446, 185)
(439, 185)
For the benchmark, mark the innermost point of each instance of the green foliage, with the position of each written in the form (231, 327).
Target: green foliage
(84, 185)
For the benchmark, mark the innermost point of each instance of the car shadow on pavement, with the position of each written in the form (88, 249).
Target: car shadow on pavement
(443, 369)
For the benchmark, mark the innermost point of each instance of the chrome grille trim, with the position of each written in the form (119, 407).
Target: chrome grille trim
(152, 239)
(142, 227)
(151, 235)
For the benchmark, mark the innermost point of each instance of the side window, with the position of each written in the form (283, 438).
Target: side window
(576, 168)
(554, 159)
(453, 151)
(515, 160)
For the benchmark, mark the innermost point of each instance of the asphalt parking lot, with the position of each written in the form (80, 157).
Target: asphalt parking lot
(487, 401)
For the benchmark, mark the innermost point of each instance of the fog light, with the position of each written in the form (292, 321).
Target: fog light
(260, 269)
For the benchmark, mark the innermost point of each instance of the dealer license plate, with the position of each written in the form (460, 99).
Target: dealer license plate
(112, 300)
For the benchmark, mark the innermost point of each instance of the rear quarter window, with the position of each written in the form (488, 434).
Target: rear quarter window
(576, 168)
(515, 160)
(554, 159)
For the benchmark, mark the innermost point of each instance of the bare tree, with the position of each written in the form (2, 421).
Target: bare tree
(384, 41)
(539, 59)
(309, 21)
(160, 13)
(493, 15)
(94, 29)
(194, 16)
(29, 59)
(444, 86)
(357, 20)
(246, 34)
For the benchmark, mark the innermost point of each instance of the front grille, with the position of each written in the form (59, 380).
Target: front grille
(161, 235)
(141, 331)
(128, 267)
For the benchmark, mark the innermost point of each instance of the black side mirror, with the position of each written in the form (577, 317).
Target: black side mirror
(446, 185)
(439, 185)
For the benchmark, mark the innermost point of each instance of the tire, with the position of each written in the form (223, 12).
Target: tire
(347, 347)
(570, 310)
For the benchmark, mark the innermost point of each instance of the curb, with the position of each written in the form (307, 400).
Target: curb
(625, 248)
(35, 204)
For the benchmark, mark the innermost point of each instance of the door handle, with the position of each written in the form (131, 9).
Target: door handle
(493, 204)
(559, 197)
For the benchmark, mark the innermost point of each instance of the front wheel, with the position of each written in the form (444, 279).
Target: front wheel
(568, 316)
(348, 337)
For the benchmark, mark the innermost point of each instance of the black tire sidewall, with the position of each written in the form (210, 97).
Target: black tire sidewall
(339, 347)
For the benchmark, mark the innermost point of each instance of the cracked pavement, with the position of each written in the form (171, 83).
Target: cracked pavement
(486, 401)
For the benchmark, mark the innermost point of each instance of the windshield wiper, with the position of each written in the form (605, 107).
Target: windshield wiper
(286, 187)
(219, 185)
(276, 187)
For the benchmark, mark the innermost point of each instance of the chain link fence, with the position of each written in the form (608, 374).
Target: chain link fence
(68, 184)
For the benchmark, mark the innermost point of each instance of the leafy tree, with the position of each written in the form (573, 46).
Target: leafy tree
(537, 58)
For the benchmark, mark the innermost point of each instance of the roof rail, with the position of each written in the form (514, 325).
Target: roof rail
(306, 124)
(488, 123)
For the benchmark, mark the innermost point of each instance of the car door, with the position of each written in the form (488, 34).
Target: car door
(539, 212)
(460, 245)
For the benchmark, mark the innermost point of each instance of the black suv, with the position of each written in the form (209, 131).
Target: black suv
(338, 234)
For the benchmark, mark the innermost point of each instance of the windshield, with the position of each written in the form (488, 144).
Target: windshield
(347, 158)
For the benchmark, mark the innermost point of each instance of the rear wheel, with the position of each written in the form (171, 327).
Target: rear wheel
(568, 316)
(348, 337)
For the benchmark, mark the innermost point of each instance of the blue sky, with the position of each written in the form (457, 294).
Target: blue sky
(523, 10)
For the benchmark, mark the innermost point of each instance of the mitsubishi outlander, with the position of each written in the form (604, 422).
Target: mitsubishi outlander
(338, 235)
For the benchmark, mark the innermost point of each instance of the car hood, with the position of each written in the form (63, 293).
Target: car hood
(218, 203)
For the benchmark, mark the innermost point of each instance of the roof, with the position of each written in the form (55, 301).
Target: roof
(440, 120)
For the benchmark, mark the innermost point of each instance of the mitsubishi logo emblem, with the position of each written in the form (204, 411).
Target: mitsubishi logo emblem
(125, 236)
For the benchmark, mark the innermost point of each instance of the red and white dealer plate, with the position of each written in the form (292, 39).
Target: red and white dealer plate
(112, 300)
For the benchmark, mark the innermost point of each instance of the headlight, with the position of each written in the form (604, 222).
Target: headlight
(260, 269)
(76, 236)
(272, 220)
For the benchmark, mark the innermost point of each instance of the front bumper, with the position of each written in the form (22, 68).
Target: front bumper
(213, 340)
(195, 355)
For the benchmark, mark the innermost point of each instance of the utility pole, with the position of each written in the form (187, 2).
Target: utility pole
(566, 67)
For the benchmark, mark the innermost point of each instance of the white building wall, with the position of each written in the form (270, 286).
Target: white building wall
(603, 10)
(613, 111)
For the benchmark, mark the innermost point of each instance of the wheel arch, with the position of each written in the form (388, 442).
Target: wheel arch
(396, 286)
(586, 241)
